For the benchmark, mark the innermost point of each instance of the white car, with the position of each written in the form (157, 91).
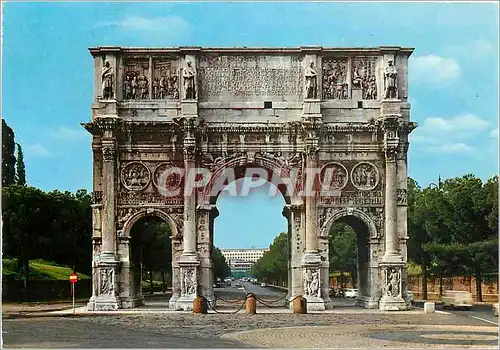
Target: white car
(262, 284)
(351, 293)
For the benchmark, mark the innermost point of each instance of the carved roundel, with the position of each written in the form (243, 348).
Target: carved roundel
(333, 176)
(365, 176)
(167, 176)
(135, 176)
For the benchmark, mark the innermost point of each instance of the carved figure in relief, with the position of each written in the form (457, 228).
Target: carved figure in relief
(393, 278)
(357, 80)
(107, 80)
(156, 89)
(190, 284)
(364, 176)
(107, 282)
(310, 75)
(371, 91)
(135, 176)
(127, 87)
(134, 85)
(189, 74)
(391, 81)
(143, 87)
(128, 214)
(311, 282)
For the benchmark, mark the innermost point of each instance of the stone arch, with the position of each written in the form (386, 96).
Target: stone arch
(272, 165)
(127, 226)
(344, 212)
(367, 272)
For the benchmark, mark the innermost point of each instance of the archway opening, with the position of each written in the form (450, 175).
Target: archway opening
(349, 255)
(253, 236)
(151, 259)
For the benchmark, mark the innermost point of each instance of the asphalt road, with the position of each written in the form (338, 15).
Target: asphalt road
(479, 312)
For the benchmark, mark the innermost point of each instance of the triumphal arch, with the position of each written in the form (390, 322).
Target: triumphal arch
(328, 126)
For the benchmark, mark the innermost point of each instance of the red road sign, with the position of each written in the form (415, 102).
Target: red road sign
(73, 278)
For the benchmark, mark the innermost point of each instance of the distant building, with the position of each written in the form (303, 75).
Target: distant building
(241, 260)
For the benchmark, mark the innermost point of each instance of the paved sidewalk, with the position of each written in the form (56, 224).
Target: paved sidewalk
(370, 336)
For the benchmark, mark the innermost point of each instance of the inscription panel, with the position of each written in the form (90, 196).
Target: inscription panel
(355, 198)
(242, 78)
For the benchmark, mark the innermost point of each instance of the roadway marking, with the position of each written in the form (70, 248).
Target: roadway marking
(482, 319)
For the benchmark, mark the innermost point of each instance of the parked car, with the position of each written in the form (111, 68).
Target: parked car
(262, 284)
(409, 296)
(351, 293)
(457, 298)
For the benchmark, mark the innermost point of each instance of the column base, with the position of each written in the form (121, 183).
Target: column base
(314, 303)
(104, 303)
(189, 259)
(184, 303)
(129, 303)
(171, 302)
(311, 259)
(389, 303)
(392, 258)
(366, 302)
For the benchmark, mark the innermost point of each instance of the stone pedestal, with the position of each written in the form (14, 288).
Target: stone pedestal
(106, 298)
(189, 108)
(390, 108)
(312, 108)
(189, 286)
(392, 298)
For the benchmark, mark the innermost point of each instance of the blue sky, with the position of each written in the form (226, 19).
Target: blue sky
(47, 79)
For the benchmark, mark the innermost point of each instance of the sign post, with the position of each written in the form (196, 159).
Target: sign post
(73, 278)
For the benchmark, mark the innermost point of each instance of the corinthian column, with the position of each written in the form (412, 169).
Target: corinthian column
(189, 245)
(108, 173)
(391, 222)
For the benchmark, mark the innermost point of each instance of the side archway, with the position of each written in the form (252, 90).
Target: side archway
(367, 242)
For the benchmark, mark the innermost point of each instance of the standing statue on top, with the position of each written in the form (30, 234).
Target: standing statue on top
(189, 74)
(390, 81)
(310, 75)
(107, 81)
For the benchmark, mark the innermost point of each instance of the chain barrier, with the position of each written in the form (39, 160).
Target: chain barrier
(232, 312)
(230, 301)
(271, 301)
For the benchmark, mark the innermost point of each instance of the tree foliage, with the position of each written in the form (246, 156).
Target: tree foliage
(343, 248)
(272, 267)
(20, 168)
(453, 228)
(8, 158)
(220, 267)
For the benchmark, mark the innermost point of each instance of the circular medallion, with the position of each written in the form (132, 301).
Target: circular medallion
(365, 176)
(333, 176)
(168, 177)
(135, 176)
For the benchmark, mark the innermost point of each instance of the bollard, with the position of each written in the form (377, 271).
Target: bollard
(299, 305)
(200, 305)
(495, 309)
(429, 307)
(251, 304)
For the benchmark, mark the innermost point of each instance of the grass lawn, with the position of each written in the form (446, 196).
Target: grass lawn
(40, 269)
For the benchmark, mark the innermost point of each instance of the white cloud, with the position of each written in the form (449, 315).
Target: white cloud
(65, 133)
(458, 147)
(494, 133)
(451, 135)
(433, 70)
(166, 23)
(37, 150)
(477, 49)
(465, 122)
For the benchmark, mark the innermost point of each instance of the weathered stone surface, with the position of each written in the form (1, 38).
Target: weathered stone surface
(341, 111)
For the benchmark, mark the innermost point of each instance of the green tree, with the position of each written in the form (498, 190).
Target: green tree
(220, 267)
(8, 158)
(272, 267)
(20, 168)
(343, 250)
